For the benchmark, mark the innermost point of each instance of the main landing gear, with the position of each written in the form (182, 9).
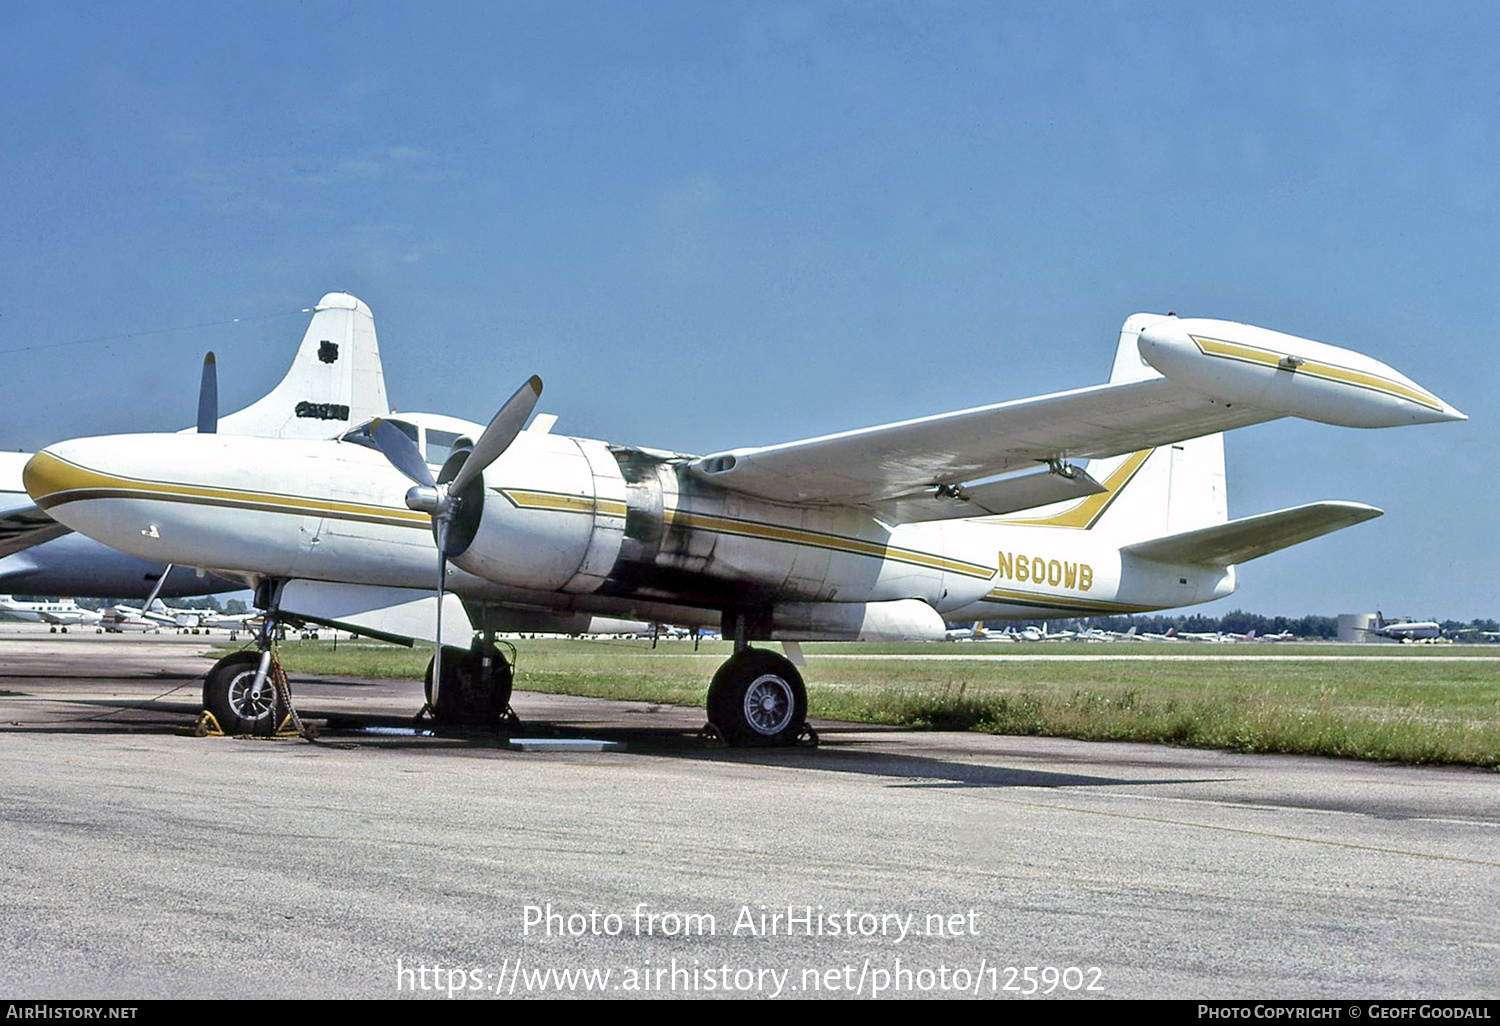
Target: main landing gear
(475, 689)
(757, 700)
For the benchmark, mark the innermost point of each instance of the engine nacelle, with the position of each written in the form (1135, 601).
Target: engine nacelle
(548, 515)
(568, 514)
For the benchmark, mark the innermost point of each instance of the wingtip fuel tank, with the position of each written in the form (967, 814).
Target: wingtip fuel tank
(1240, 363)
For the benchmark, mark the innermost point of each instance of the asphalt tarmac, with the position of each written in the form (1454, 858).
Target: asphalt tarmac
(378, 862)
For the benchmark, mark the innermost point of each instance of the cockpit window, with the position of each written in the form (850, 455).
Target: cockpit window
(439, 446)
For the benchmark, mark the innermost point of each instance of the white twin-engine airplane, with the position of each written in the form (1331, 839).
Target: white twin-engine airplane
(877, 534)
(56, 613)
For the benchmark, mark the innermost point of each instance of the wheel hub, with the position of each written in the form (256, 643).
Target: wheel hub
(246, 702)
(769, 704)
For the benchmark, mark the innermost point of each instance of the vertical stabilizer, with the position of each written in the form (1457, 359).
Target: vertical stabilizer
(1151, 493)
(1178, 487)
(335, 381)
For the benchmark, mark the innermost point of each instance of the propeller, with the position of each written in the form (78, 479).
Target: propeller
(441, 500)
(208, 397)
(156, 589)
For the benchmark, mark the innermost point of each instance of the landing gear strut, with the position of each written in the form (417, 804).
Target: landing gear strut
(475, 689)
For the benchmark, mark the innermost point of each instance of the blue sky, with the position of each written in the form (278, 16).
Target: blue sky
(711, 225)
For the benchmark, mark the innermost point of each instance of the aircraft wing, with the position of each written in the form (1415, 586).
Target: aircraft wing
(1174, 379)
(897, 463)
(23, 525)
(1251, 537)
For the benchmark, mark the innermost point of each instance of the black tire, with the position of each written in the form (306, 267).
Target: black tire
(757, 700)
(470, 697)
(226, 694)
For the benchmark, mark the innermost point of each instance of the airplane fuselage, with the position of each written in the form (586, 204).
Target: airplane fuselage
(580, 524)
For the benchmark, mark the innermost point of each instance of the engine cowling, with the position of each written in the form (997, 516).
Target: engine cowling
(548, 515)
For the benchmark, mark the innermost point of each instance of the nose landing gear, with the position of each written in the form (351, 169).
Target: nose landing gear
(241, 695)
(247, 692)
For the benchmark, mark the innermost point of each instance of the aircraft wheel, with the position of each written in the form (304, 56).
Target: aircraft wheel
(51, 630)
(227, 694)
(757, 700)
(470, 697)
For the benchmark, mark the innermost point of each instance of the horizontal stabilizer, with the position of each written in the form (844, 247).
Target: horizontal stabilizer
(1252, 537)
(391, 614)
(991, 498)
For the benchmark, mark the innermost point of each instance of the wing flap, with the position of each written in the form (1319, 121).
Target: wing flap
(1251, 537)
(992, 498)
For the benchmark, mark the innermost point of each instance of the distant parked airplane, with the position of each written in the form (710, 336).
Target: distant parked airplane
(59, 613)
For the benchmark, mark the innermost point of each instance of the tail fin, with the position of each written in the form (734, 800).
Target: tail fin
(335, 381)
(1167, 490)
(1154, 492)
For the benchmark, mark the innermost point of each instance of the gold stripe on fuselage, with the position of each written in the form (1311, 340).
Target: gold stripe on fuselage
(563, 503)
(761, 530)
(54, 481)
(824, 540)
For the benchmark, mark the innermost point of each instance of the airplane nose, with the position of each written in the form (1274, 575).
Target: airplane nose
(47, 478)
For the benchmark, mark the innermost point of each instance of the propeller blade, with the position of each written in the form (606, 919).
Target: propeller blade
(441, 525)
(501, 432)
(402, 452)
(156, 589)
(208, 397)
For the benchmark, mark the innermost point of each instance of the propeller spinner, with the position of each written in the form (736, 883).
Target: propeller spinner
(441, 501)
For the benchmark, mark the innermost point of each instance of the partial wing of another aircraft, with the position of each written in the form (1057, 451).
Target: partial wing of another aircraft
(22, 525)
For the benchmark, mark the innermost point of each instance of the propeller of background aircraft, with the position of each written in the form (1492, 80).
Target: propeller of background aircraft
(441, 499)
(208, 397)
